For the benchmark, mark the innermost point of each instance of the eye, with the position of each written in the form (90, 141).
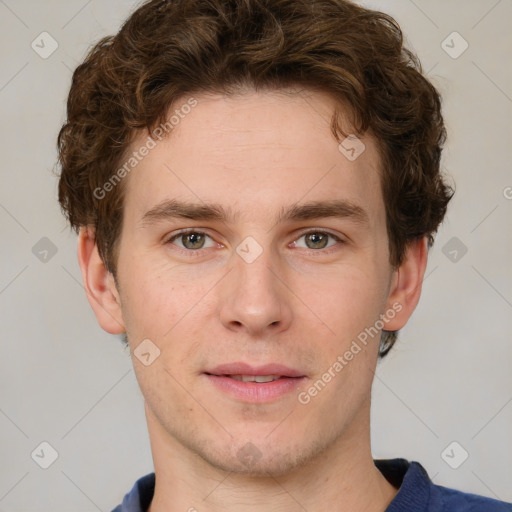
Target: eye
(317, 240)
(191, 240)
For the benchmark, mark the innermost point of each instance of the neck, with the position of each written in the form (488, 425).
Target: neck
(342, 477)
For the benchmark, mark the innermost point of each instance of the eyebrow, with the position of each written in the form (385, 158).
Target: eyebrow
(170, 209)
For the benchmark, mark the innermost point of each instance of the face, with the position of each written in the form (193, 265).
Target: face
(260, 285)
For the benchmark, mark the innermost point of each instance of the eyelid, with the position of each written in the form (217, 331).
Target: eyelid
(320, 230)
(339, 239)
(169, 238)
(306, 231)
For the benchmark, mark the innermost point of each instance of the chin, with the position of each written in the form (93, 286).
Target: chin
(265, 466)
(262, 458)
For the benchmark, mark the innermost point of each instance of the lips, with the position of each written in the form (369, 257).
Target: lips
(255, 384)
(256, 378)
(247, 373)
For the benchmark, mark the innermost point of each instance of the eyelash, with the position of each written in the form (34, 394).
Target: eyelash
(315, 231)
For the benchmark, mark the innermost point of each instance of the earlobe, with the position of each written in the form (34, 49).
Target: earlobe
(406, 284)
(99, 284)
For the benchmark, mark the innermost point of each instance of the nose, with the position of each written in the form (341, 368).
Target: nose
(255, 298)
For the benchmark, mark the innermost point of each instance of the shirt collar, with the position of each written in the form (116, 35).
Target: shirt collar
(410, 477)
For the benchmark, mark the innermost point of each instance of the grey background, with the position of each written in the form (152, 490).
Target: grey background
(65, 381)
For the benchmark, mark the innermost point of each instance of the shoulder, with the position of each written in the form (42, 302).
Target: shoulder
(445, 499)
(139, 497)
(417, 492)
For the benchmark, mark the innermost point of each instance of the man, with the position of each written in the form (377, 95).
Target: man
(256, 185)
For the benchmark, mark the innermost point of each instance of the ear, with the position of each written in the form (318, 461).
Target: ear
(99, 284)
(406, 282)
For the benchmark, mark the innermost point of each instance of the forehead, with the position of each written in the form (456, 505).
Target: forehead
(255, 153)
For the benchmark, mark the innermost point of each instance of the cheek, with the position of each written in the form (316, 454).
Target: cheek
(168, 307)
(152, 302)
(348, 299)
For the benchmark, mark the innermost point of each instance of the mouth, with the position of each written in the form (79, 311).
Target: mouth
(251, 384)
(260, 379)
(247, 373)
(256, 378)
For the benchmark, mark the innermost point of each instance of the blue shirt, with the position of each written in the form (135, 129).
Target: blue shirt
(416, 492)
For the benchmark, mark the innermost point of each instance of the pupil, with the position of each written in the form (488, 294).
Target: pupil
(317, 237)
(194, 238)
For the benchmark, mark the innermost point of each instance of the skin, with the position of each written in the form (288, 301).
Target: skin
(296, 304)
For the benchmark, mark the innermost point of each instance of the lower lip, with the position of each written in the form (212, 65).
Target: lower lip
(255, 392)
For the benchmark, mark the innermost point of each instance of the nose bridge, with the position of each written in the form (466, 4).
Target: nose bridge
(255, 270)
(257, 297)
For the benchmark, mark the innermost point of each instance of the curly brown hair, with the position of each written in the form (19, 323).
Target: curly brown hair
(169, 49)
